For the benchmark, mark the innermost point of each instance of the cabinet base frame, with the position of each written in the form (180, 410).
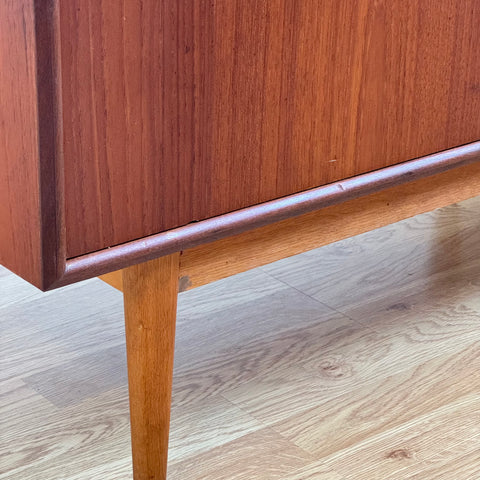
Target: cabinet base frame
(151, 289)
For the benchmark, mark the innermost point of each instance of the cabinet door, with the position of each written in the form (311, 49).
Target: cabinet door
(180, 110)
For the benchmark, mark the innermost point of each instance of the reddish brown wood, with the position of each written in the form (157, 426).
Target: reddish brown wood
(20, 241)
(199, 233)
(30, 188)
(227, 105)
(192, 108)
(50, 138)
(237, 253)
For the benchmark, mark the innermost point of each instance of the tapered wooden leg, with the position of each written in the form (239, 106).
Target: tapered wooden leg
(150, 294)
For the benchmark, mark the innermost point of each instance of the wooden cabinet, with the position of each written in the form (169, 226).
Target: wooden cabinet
(121, 120)
(139, 129)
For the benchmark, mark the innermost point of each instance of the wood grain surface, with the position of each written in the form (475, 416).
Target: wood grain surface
(207, 231)
(227, 105)
(31, 201)
(150, 296)
(219, 259)
(20, 241)
(216, 260)
(192, 109)
(356, 361)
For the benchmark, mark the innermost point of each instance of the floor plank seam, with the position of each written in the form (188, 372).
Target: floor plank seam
(309, 296)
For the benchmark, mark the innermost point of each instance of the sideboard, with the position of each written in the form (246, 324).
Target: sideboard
(164, 144)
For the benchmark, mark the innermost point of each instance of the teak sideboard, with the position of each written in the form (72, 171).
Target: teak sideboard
(182, 141)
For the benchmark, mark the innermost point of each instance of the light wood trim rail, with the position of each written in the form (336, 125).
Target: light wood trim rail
(222, 258)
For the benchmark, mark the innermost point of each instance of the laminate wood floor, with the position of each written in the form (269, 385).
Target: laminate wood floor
(356, 361)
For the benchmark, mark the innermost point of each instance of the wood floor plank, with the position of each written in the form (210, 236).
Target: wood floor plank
(454, 296)
(66, 384)
(376, 264)
(365, 354)
(384, 404)
(14, 289)
(215, 373)
(198, 428)
(431, 442)
(20, 408)
(461, 463)
(236, 290)
(58, 327)
(66, 441)
(118, 470)
(257, 456)
(256, 319)
(315, 471)
(454, 288)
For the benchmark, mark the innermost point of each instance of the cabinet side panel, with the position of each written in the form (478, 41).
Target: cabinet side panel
(180, 110)
(20, 244)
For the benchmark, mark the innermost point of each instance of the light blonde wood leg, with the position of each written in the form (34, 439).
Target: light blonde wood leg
(150, 295)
